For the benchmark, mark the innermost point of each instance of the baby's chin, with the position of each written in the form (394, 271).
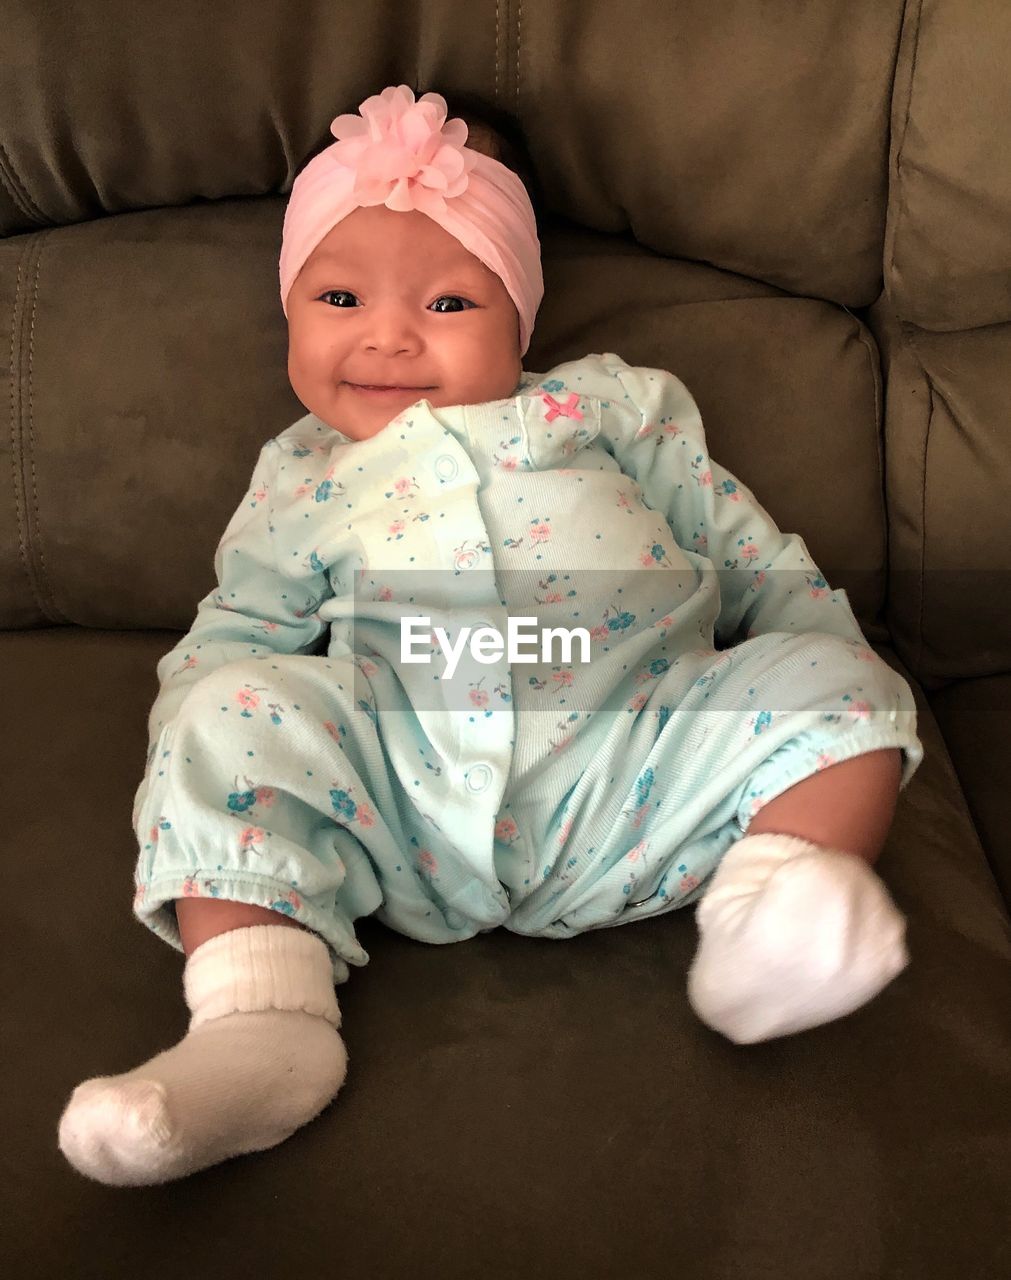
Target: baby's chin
(358, 422)
(363, 422)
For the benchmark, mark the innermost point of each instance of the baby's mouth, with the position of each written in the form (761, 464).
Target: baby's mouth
(371, 390)
(387, 387)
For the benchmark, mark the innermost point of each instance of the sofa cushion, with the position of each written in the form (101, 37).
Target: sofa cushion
(974, 716)
(514, 1106)
(947, 265)
(150, 365)
(756, 141)
(947, 406)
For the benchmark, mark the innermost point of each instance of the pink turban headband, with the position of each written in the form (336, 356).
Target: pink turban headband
(404, 154)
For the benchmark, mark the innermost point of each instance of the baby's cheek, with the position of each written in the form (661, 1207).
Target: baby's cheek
(503, 381)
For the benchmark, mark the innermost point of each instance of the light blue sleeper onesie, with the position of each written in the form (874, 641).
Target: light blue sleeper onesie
(299, 760)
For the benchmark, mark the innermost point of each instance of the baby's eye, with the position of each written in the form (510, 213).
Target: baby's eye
(336, 293)
(452, 297)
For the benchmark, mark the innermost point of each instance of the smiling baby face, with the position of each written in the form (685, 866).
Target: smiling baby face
(391, 299)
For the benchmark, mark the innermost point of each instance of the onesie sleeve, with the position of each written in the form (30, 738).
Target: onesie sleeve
(768, 580)
(256, 608)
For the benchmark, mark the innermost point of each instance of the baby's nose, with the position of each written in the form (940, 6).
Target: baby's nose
(393, 338)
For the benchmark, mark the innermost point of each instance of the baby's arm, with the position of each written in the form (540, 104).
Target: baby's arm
(768, 579)
(256, 607)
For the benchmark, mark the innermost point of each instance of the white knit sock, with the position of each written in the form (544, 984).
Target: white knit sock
(792, 935)
(262, 1057)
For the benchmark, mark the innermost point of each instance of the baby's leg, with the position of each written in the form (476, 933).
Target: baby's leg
(262, 1057)
(263, 1054)
(848, 806)
(201, 919)
(796, 929)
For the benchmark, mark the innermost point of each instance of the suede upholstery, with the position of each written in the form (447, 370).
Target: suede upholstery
(813, 200)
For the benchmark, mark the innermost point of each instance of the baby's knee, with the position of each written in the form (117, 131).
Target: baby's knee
(234, 683)
(254, 685)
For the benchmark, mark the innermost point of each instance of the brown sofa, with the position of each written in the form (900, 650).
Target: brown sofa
(804, 210)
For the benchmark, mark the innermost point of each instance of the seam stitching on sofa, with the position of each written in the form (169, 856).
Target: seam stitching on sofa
(19, 448)
(19, 514)
(498, 51)
(519, 32)
(42, 574)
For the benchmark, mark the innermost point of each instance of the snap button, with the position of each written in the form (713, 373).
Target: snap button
(446, 466)
(478, 778)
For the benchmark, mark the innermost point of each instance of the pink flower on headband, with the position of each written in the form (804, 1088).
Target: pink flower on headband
(404, 153)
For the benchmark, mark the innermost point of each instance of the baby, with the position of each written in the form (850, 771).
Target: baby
(488, 648)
